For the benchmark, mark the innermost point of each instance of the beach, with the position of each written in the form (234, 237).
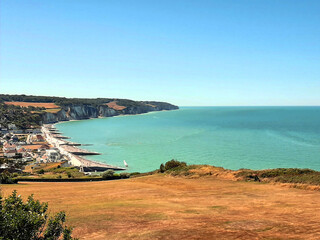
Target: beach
(71, 152)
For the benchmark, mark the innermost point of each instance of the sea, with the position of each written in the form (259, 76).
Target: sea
(229, 137)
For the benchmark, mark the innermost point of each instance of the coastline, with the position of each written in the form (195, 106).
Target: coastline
(76, 160)
(65, 146)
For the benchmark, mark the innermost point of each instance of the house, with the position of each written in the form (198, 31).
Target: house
(4, 130)
(22, 151)
(35, 139)
(9, 146)
(10, 153)
(14, 138)
(17, 131)
(33, 131)
(53, 155)
(12, 126)
(42, 159)
(36, 147)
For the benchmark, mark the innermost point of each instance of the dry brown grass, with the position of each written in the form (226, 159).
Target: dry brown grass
(115, 106)
(33, 104)
(166, 207)
(53, 110)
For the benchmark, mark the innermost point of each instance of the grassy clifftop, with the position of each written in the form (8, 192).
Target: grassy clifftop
(26, 111)
(63, 101)
(196, 206)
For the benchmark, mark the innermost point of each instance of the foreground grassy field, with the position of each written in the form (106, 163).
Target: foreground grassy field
(166, 207)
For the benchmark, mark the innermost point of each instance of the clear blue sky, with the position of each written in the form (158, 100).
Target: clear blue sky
(228, 52)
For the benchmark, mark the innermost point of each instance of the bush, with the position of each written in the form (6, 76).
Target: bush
(124, 175)
(41, 171)
(108, 174)
(174, 164)
(15, 175)
(69, 174)
(30, 220)
(135, 173)
(7, 178)
(162, 168)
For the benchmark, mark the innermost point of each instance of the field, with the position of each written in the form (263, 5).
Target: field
(53, 110)
(33, 104)
(166, 207)
(115, 106)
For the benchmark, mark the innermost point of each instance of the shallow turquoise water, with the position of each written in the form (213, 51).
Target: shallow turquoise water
(231, 137)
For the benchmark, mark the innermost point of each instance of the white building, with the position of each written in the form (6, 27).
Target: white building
(53, 155)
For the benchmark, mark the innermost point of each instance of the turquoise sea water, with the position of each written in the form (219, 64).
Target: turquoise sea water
(231, 137)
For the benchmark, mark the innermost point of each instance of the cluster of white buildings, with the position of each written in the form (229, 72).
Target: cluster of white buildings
(28, 147)
(12, 129)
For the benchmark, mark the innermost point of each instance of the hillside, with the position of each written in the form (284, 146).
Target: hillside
(44, 109)
(163, 206)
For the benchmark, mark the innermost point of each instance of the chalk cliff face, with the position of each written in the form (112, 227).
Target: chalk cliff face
(79, 112)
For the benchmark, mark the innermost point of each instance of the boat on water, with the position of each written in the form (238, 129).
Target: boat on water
(125, 163)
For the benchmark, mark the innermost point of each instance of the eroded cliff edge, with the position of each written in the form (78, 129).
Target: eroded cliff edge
(86, 111)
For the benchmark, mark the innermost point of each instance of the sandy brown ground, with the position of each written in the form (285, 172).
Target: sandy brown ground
(33, 104)
(115, 106)
(165, 207)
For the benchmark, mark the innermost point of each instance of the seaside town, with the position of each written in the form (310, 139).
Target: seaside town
(32, 149)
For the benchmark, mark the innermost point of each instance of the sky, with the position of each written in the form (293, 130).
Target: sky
(189, 53)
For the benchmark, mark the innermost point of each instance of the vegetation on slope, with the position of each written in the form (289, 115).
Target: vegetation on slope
(62, 101)
(280, 175)
(22, 117)
(30, 220)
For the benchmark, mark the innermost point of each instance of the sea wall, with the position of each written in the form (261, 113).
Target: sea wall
(79, 112)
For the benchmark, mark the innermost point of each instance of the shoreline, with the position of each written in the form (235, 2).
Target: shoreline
(120, 115)
(76, 160)
(73, 159)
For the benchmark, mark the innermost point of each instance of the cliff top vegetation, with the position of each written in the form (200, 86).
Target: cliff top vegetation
(63, 101)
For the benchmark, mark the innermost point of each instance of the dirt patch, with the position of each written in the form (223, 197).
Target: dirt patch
(33, 104)
(115, 106)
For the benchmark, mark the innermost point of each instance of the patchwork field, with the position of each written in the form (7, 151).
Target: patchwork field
(167, 207)
(33, 104)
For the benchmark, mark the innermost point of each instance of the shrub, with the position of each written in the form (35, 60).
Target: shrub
(15, 175)
(134, 174)
(30, 220)
(7, 178)
(108, 174)
(162, 168)
(69, 174)
(124, 175)
(174, 164)
(41, 171)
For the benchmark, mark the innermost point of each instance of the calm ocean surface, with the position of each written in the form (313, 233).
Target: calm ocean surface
(231, 137)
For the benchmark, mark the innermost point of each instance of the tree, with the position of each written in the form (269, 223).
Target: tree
(7, 178)
(174, 164)
(108, 174)
(162, 168)
(30, 220)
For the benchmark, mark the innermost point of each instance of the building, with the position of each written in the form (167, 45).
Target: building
(10, 153)
(9, 146)
(12, 126)
(53, 155)
(36, 147)
(22, 151)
